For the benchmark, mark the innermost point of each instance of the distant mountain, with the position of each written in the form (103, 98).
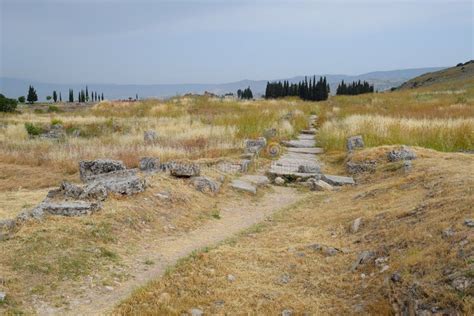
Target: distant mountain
(382, 80)
(462, 73)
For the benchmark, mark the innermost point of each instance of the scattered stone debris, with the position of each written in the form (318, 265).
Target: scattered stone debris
(355, 142)
(150, 137)
(337, 180)
(196, 312)
(403, 153)
(184, 170)
(318, 185)
(361, 167)
(56, 132)
(448, 232)
(279, 181)
(327, 250)
(205, 184)
(461, 283)
(356, 225)
(149, 164)
(241, 185)
(362, 258)
(70, 208)
(254, 146)
(396, 277)
(469, 222)
(89, 169)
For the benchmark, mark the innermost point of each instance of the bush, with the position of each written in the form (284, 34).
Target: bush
(22, 99)
(56, 121)
(53, 108)
(6, 104)
(33, 129)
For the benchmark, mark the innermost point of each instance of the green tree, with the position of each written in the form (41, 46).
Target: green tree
(48, 98)
(32, 97)
(71, 95)
(60, 97)
(22, 99)
(86, 98)
(55, 96)
(6, 104)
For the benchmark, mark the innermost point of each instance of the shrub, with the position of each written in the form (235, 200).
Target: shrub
(33, 129)
(56, 121)
(22, 99)
(6, 104)
(53, 108)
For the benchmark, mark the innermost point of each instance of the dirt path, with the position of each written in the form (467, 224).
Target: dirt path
(236, 216)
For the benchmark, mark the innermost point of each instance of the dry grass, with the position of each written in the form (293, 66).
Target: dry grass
(403, 218)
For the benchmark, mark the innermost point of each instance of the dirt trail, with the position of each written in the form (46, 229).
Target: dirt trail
(236, 216)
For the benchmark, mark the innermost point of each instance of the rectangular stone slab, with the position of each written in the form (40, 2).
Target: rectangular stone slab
(337, 180)
(256, 180)
(306, 137)
(299, 143)
(309, 150)
(283, 173)
(243, 186)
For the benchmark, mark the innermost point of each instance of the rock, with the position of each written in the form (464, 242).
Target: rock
(396, 277)
(3, 296)
(362, 258)
(361, 167)
(7, 224)
(384, 268)
(56, 132)
(279, 181)
(162, 195)
(318, 185)
(256, 180)
(403, 153)
(70, 190)
(330, 251)
(184, 170)
(36, 213)
(255, 145)
(89, 169)
(205, 184)
(356, 225)
(380, 262)
(461, 283)
(245, 164)
(149, 164)
(337, 180)
(94, 191)
(407, 166)
(309, 168)
(448, 232)
(284, 279)
(354, 142)
(286, 312)
(125, 182)
(469, 222)
(150, 137)
(70, 208)
(243, 186)
(270, 133)
(196, 312)
(231, 278)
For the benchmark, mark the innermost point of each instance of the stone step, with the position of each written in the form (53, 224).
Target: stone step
(302, 156)
(309, 131)
(293, 174)
(337, 180)
(245, 186)
(307, 150)
(306, 137)
(299, 143)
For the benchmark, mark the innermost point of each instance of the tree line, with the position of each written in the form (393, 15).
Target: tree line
(311, 90)
(245, 94)
(82, 96)
(354, 88)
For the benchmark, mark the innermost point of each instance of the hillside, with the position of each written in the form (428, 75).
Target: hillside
(382, 80)
(455, 75)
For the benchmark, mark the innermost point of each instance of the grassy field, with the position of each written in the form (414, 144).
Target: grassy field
(207, 129)
(277, 267)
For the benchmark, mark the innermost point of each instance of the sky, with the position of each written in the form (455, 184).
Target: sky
(156, 42)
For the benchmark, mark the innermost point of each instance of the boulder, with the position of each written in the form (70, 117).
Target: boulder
(469, 222)
(403, 153)
(318, 185)
(363, 258)
(205, 184)
(354, 142)
(184, 170)
(279, 181)
(89, 169)
(150, 137)
(241, 185)
(337, 180)
(149, 164)
(125, 182)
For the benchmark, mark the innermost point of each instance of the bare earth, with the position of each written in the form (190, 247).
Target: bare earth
(165, 252)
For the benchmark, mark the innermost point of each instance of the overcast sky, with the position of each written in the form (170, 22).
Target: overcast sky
(139, 42)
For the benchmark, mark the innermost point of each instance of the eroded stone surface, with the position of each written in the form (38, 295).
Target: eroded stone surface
(256, 180)
(241, 185)
(337, 180)
(184, 169)
(149, 164)
(354, 142)
(205, 184)
(89, 169)
(403, 153)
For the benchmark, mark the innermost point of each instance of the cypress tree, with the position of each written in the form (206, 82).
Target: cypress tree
(31, 97)
(55, 96)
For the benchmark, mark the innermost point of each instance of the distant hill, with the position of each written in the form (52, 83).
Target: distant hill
(382, 80)
(458, 74)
